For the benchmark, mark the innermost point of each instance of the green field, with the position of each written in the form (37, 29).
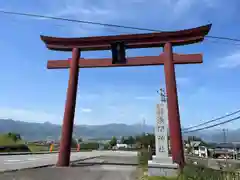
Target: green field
(38, 148)
(5, 140)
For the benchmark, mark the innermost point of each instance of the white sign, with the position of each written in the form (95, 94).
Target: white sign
(161, 128)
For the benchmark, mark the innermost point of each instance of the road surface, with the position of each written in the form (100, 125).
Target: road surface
(28, 161)
(88, 171)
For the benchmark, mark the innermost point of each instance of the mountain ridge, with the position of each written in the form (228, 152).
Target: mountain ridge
(41, 131)
(37, 131)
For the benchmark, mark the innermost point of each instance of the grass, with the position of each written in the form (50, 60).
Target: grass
(143, 157)
(194, 172)
(5, 140)
(38, 148)
(160, 178)
(190, 171)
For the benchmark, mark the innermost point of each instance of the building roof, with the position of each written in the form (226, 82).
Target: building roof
(195, 143)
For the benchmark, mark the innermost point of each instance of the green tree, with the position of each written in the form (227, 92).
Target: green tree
(14, 136)
(80, 140)
(113, 141)
(131, 141)
(145, 140)
(123, 140)
(89, 146)
(74, 143)
(9, 134)
(139, 141)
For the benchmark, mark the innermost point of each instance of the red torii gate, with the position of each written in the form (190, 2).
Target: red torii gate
(163, 39)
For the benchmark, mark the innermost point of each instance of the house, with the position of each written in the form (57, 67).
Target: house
(226, 150)
(197, 148)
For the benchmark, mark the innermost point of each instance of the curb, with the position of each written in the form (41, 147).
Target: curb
(44, 166)
(105, 163)
(25, 153)
(30, 153)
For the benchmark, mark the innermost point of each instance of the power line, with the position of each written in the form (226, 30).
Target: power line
(216, 41)
(224, 38)
(104, 24)
(213, 120)
(74, 20)
(211, 126)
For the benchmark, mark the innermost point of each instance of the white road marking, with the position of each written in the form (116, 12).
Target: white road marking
(12, 160)
(19, 162)
(32, 159)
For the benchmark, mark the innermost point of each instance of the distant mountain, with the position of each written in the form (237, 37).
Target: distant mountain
(37, 131)
(216, 135)
(40, 131)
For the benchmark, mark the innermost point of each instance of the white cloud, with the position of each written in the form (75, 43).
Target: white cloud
(87, 96)
(35, 116)
(86, 110)
(145, 97)
(112, 107)
(200, 92)
(29, 115)
(230, 61)
(182, 80)
(181, 7)
(139, 13)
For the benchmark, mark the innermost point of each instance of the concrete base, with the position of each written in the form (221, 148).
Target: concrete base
(165, 160)
(162, 167)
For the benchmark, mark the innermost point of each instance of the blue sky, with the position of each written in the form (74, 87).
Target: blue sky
(30, 92)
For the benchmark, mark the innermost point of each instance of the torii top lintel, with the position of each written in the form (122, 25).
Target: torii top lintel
(147, 40)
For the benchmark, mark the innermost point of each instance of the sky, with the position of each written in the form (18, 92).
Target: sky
(30, 92)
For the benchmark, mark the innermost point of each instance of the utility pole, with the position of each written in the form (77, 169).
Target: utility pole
(225, 135)
(225, 139)
(143, 126)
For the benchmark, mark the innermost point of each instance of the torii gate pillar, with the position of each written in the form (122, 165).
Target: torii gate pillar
(173, 109)
(68, 119)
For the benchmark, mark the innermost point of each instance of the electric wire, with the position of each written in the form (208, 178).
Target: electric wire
(104, 24)
(214, 125)
(212, 120)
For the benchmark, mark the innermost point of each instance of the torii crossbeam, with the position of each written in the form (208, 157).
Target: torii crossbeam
(164, 39)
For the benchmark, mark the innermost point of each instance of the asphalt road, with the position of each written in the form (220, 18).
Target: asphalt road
(89, 171)
(29, 161)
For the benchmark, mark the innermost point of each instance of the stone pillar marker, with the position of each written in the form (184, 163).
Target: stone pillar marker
(162, 164)
(161, 132)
